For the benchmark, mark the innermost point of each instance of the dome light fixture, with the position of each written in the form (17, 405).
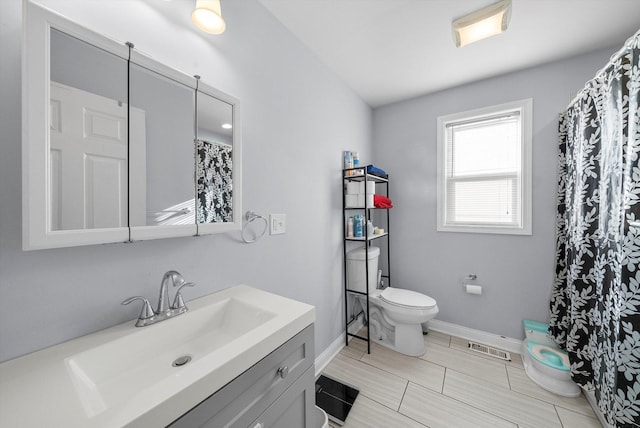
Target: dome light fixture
(208, 16)
(487, 22)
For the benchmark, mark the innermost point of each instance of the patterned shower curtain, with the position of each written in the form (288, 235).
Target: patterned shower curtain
(595, 303)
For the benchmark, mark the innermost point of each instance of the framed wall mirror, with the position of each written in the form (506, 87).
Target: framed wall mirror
(117, 146)
(88, 146)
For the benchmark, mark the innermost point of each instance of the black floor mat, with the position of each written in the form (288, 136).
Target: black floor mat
(335, 398)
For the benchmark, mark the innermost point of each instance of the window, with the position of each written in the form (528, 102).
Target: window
(484, 170)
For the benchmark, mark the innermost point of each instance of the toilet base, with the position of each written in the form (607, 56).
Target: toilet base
(388, 327)
(387, 344)
(403, 338)
(553, 380)
(409, 340)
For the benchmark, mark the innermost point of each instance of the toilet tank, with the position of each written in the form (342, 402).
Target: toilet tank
(538, 332)
(356, 270)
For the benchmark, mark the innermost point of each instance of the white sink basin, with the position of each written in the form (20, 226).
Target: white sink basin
(123, 376)
(115, 371)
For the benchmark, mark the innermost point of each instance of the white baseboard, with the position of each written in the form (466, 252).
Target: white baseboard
(502, 342)
(332, 350)
(328, 354)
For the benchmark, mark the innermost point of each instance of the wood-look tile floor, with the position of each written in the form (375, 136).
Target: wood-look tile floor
(449, 386)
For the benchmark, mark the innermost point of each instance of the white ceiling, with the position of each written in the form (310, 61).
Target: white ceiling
(390, 50)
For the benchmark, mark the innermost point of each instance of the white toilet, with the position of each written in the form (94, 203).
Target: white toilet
(545, 363)
(397, 316)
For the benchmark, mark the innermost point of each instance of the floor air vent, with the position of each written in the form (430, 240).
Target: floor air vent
(490, 350)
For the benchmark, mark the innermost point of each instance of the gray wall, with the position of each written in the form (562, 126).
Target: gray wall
(298, 117)
(516, 271)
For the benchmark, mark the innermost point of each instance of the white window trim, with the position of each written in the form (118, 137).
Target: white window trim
(526, 112)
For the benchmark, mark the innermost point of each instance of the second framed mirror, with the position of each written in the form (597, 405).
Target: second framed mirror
(218, 147)
(162, 151)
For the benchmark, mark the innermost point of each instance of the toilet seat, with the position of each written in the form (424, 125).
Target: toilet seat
(406, 298)
(549, 356)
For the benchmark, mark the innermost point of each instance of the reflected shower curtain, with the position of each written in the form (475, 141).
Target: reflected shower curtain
(595, 303)
(214, 184)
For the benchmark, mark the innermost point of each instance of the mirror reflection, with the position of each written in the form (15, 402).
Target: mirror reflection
(88, 136)
(162, 149)
(214, 160)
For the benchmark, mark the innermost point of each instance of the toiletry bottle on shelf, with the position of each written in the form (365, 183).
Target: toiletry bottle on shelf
(348, 161)
(370, 228)
(358, 230)
(350, 227)
(356, 219)
(356, 162)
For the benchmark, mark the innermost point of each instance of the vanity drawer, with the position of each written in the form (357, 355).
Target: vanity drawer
(294, 409)
(246, 397)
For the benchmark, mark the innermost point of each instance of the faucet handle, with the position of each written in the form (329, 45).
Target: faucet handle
(146, 312)
(178, 301)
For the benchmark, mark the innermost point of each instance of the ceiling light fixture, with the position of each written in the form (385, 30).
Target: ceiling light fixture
(481, 24)
(208, 16)
(227, 126)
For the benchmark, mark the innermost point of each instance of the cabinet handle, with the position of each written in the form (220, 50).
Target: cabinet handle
(283, 371)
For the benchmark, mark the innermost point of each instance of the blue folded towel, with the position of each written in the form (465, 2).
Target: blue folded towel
(371, 169)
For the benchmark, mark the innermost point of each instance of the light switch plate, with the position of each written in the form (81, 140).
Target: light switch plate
(277, 224)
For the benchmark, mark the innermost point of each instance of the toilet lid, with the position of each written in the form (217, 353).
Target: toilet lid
(408, 298)
(552, 357)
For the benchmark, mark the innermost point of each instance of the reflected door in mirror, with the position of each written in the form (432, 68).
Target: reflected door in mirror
(88, 136)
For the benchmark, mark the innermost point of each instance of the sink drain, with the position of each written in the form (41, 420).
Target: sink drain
(181, 361)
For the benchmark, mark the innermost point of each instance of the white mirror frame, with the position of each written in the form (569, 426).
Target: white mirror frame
(36, 198)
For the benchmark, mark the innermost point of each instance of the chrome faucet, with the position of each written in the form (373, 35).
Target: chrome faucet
(164, 311)
(163, 298)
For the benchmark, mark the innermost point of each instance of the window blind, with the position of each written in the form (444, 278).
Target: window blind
(484, 171)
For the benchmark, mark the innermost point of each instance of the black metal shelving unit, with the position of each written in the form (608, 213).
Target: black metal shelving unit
(360, 174)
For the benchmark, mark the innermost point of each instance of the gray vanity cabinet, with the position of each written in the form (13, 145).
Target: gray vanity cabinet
(278, 391)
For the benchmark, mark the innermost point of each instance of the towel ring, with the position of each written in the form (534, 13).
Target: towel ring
(250, 217)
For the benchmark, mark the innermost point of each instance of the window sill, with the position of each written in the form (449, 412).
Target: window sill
(497, 230)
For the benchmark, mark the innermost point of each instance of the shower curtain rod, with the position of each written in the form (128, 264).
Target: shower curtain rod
(612, 59)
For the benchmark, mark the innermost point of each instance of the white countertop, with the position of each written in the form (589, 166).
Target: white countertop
(38, 390)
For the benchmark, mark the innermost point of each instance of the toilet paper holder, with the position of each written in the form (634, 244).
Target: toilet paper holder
(472, 288)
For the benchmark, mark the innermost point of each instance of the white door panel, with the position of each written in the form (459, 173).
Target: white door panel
(89, 177)
(104, 178)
